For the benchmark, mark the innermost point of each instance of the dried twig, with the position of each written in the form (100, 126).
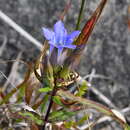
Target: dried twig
(3, 44)
(67, 7)
(20, 30)
(94, 75)
(103, 119)
(13, 73)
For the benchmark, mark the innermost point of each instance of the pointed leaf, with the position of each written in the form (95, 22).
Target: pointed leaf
(43, 105)
(86, 31)
(73, 59)
(46, 89)
(57, 100)
(28, 91)
(127, 127)
(82, 120)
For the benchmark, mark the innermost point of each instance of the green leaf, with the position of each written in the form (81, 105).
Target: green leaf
(82, 120)
(46, 89)
(57, 100)
(82, 89)
(127, 127)
(56, 114)
(21, 94)
(67, 115)
(65, 73)
(50, 73)
(61, 115)
(32, 117)
(69, 124)
(43, 105)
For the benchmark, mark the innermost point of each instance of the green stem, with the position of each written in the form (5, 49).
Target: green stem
(80, 14)
(49, 109)
(50, 105)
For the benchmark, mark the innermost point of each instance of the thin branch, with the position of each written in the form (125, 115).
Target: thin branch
(50, 105)
(3, 45)
(20, 30)
(94, 75)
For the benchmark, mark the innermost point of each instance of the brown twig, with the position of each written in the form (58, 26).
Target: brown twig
(67, 7)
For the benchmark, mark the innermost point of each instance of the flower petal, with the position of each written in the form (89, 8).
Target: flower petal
(51, 48)
(60, 32)
(49, 34)
(71, 37)
(60, 49)
(70, 46)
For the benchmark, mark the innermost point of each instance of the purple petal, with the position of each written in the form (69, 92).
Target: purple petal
(58, 26)
(70, 37)
(52, 43)
(60, 32)
(49, 34)
(60, 51)
(74, 34)
(70, 46)
(51, 48)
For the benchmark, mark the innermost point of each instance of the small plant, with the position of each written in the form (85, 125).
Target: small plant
(44, 99)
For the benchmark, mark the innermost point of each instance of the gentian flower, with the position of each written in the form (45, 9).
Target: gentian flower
(59, 37)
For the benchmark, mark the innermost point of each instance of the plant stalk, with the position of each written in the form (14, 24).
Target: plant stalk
(49, 107)
(80, 15)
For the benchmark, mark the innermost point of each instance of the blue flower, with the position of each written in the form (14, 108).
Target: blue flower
(59, 37)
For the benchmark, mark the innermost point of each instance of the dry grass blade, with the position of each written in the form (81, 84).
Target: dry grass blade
(29, 91)
(13, 73)
(20, 30)
(104, 119)
(3, 44)
(14, 90)
(91, 104)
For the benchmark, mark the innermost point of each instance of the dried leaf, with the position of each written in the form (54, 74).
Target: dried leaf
(87, 29)
(119, 115)
(7, 97)
(73, 59)
(34, 126)
(30, 85)
(41, 102)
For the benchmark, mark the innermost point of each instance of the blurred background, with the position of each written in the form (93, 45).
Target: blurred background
(106, 60)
